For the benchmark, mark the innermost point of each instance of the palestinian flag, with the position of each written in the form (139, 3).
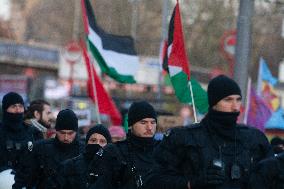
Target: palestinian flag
(115, 54)
(98, 94)
(177, 65)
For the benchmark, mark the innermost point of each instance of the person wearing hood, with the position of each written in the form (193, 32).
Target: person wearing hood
(40, 168)
(82, 171)
(125, 163)
(213, 154)
(15, 136)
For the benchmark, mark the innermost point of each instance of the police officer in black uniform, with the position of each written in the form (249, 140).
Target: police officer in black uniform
(15, 136)
(215, 153)
(269, 173)
(82, 171)
(40, 166)
(126, 162)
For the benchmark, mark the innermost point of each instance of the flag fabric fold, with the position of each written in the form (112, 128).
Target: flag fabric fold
(258, 112)
(265, 86)
(176, 64)
(115, 54)
(105, 103)
(265, 74)
(276, 121)
(270, 96)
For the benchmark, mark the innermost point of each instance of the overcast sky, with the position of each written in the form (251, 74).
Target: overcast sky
(5, 9)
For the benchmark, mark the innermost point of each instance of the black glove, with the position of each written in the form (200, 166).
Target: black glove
(213, 176)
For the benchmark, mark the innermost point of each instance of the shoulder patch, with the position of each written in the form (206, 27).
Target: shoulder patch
(30, 146)
(167, 133)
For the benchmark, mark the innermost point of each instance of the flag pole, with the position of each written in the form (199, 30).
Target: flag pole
(259, 77)
(193, 104)
(247, 101)
(93, 81)
(95, 92)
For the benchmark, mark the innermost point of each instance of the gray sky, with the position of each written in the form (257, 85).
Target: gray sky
(5, 9)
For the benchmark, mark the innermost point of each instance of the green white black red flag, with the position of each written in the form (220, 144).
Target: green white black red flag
(115, 54)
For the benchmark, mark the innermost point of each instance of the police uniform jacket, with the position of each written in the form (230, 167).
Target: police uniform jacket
(186, 153)
(40, 166)
(126, 163)
(12, 145)
(269, 174)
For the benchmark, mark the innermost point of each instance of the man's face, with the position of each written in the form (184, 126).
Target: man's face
(97, 138)
(16, 108)
(46, 116)
(145, 127)
(230, 103)
(66, 136)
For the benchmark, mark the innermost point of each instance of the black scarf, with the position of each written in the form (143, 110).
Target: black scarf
(13, 121)
(221, 127)
(222, 124)
(91, 150)
(141, 143)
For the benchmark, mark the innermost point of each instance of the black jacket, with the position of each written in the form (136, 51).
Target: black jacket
(269, 174)
(12, 145)
(40, 165)
(126, 163)
(80, 172)
(186, 153)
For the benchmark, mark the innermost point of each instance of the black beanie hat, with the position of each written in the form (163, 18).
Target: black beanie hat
(276, 141)
(66, 120)
(139, 111)
(221, 87)
(100, 129)
(10, 99)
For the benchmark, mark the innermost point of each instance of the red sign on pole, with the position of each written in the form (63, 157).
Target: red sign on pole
(227, 48)
(72, 55)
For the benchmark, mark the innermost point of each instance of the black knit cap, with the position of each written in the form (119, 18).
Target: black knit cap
(221, 87)
(100, 129)
(140, 110)
(276, 141)
(66, 120)
(10, 99)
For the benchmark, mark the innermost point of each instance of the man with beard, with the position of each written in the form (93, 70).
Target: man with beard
(125, 163)
(216, 153)
(39, 169)
(39, 115)
(15, 137)
(82, 171)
